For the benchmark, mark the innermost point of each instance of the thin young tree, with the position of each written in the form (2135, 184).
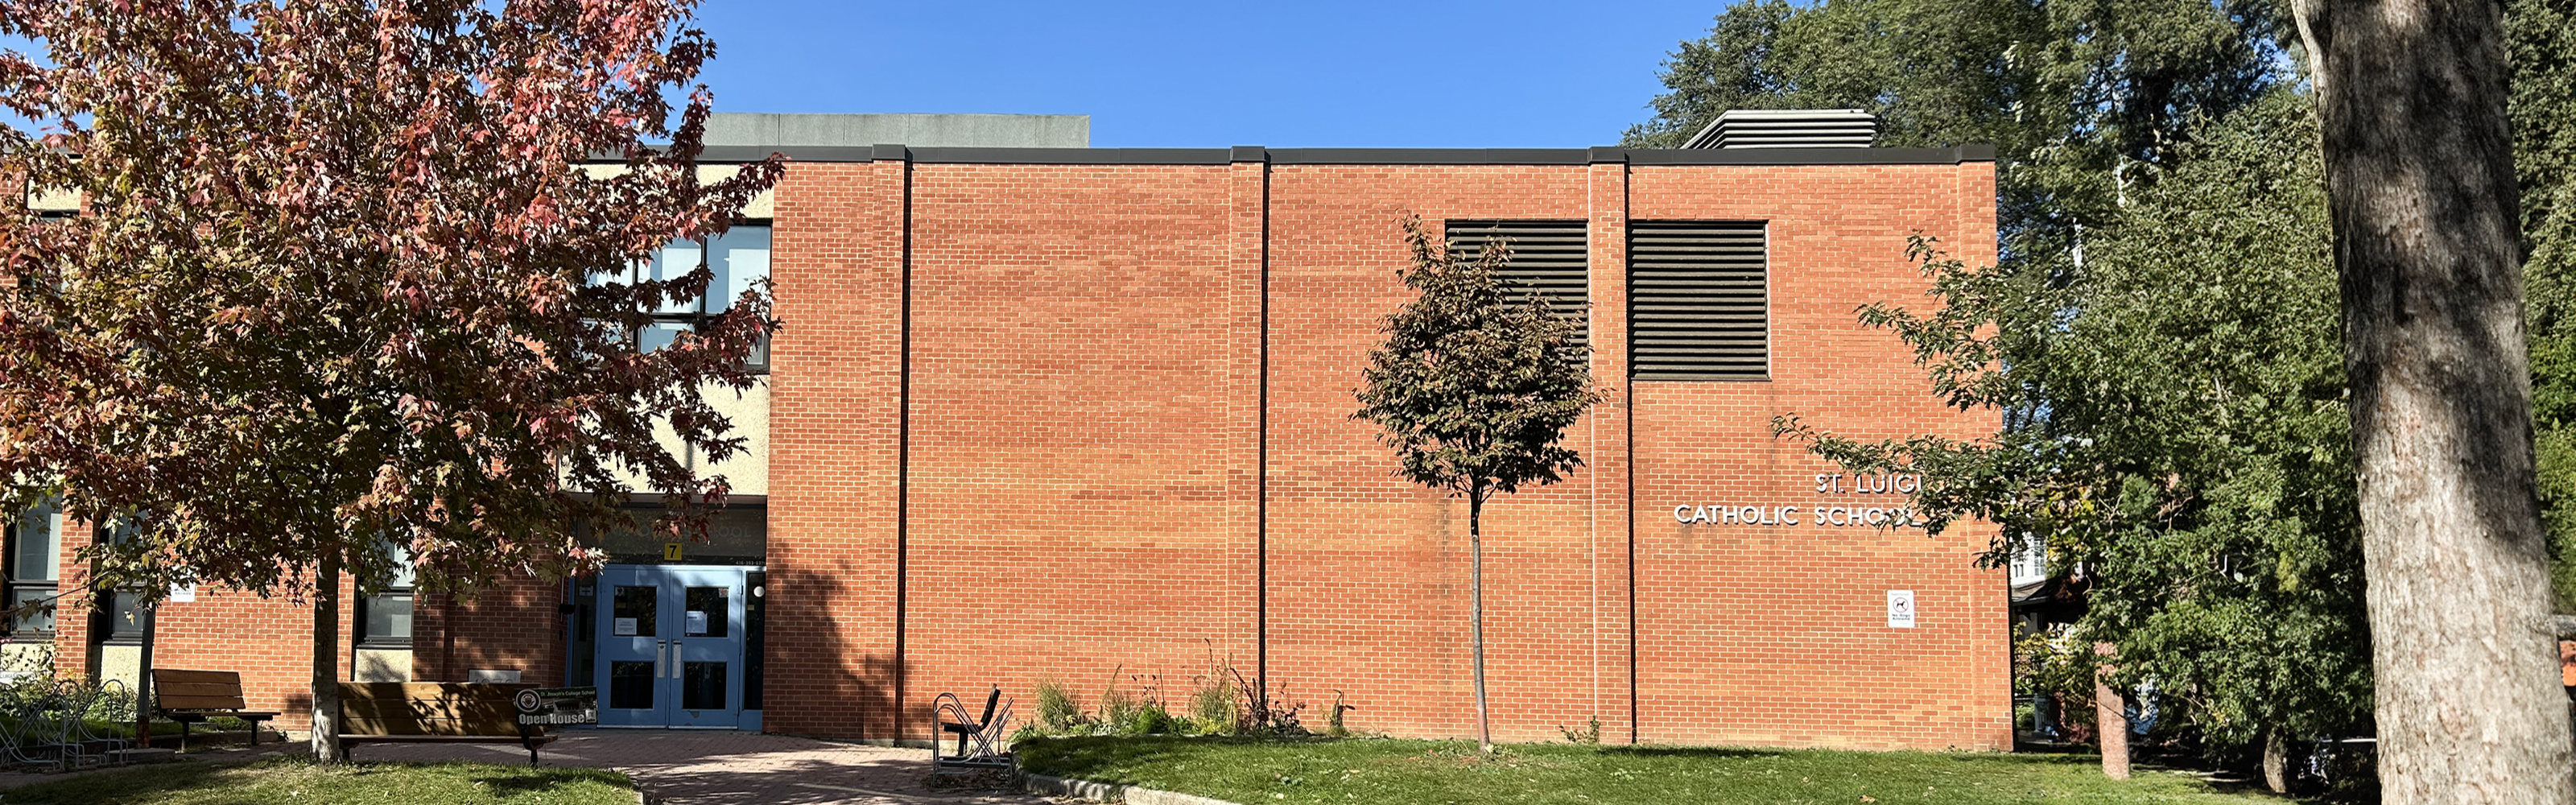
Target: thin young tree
(340, 289)
(1473, 391)
(2421, 188)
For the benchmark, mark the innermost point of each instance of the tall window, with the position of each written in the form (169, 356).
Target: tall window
(740, 260)
(121, 619)
(35, 553)
(384, 619)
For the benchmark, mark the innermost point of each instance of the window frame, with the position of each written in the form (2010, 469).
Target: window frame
(758, 362)
(367, 604)
(11, 576)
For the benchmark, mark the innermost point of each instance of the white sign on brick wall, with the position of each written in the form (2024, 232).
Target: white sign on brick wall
(1900, 609)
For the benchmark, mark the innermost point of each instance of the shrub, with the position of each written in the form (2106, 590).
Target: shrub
(1212, 705)
(1057, 712)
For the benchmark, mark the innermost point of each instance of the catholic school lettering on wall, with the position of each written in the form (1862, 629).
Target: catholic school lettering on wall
(1821, 513)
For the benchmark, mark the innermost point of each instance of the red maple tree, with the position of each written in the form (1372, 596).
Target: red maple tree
(347, 283)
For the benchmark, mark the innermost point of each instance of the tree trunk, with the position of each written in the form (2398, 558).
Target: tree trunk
(1476, 614)
(2110, 722)
(326, 661)
(2420, 181)
(2276, 761)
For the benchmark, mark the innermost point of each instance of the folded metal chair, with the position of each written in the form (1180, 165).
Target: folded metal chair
(976, 737)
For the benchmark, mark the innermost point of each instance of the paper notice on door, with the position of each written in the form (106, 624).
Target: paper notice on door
(697, 621)
(625, 627)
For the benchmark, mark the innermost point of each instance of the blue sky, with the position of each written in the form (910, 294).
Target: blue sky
(1399, 73)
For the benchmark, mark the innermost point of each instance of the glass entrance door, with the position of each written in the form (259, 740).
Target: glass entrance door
(670, 646)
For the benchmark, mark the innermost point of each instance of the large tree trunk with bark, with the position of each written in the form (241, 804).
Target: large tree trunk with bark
(2420, 180)
(2110, 719)
(326, 661)
(2276, 761)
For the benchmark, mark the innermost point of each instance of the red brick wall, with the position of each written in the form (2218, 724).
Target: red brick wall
(1053, 421)
(1086, 409)
(269, 641)
(837, 382)
(1082, 433)
(1777, 634)
(514, 624)
(1369, 582)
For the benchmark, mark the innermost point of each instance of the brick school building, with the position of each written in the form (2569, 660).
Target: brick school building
(1084, 415)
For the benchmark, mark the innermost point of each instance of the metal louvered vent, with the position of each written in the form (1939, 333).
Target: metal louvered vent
(1699, 305)
(1788, 128)
(1553, 258)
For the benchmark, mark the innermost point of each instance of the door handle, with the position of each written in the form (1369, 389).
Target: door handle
(658, 647)
(675, 659)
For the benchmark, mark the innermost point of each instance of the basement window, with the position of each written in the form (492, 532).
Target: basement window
(1699, 300)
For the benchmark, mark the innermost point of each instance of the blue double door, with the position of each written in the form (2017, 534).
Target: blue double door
(670, 642)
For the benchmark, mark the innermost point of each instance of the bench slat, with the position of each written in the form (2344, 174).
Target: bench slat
(426, 710)
(199, 702)
(164, 676)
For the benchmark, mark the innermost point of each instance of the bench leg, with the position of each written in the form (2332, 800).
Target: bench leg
(183, 736)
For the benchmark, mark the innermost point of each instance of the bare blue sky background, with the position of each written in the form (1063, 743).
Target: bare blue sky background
(1395, 73)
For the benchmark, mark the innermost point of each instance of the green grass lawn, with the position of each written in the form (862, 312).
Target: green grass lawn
(1395, 772)
(303, 783)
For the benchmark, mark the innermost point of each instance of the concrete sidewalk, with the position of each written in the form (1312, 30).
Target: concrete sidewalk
(713, 767)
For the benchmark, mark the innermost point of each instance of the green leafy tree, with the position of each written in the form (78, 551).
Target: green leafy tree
(2178, 432)
(2158, 333)
(1473, 392)
(2540, 36)
(334, 293)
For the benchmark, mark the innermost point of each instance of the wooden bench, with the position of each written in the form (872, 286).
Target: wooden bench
(436, 712)
(191, 697)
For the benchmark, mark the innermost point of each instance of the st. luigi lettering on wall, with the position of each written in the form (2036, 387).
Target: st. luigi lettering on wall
(1821, 514)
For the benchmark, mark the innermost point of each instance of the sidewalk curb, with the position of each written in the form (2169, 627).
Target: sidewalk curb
(1052, 786)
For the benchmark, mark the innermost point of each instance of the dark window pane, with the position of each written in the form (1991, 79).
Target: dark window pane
(630, 685)
(38, 544)
(41, 619)
(636, 609)
(388, 618)
(702, 686)
(125, 619)
(709, 612)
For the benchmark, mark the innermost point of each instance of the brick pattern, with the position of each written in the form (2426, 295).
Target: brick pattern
(514, 624)
(1051, 421)
(1082, 451)
(836, 568)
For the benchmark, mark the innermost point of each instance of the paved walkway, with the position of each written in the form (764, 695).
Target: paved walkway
(688, 767)
(709, 767)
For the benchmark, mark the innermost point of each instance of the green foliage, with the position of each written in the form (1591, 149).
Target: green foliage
(2180, 434)
(1213, 709)
(1590, 735)
(1057, 712)
(1379, 771)
(350, 784)
(2160, 335)
(2540, 36)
